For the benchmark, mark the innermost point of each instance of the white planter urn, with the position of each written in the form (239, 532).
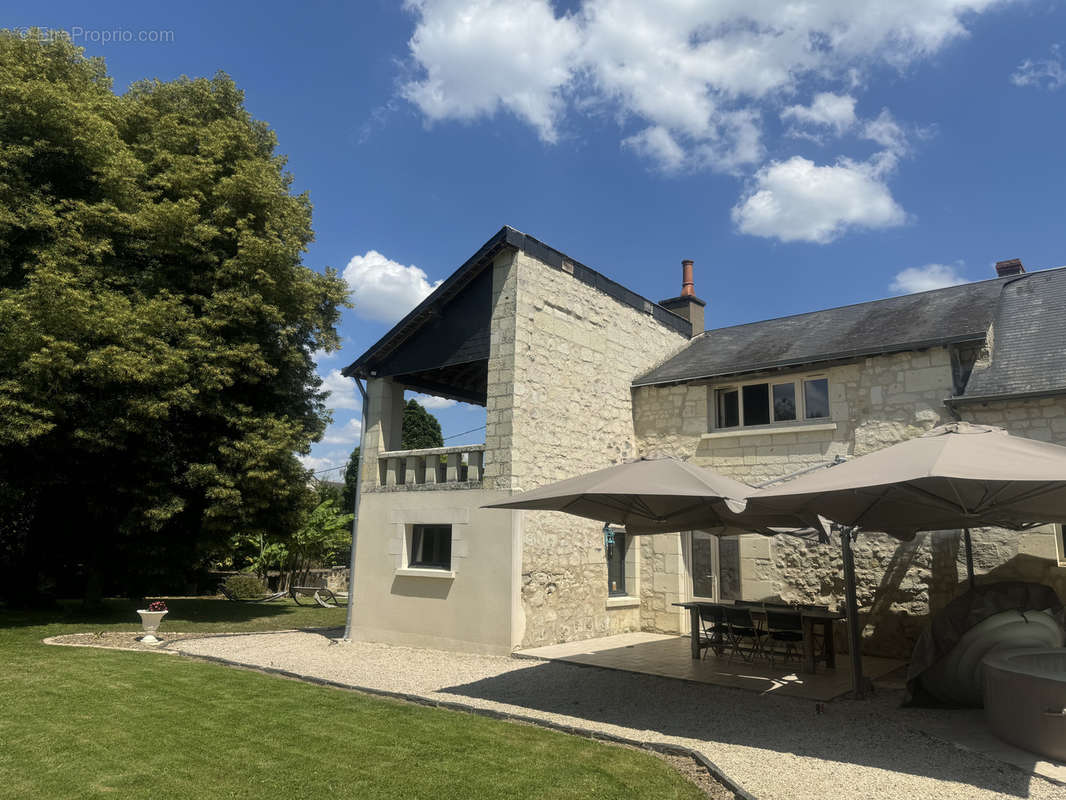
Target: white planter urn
(150, 621)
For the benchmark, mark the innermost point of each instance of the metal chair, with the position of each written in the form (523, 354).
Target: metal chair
(712, 630)
(784, 627)
(740, 626)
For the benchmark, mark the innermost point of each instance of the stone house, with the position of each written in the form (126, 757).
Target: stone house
(577, 373)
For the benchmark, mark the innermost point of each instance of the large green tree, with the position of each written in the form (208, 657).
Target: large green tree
(156, 322)
(420, 428)
(351, 478)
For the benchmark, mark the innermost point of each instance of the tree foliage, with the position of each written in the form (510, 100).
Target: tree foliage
(351, 478)
(323, 540)
(156, 321)
(420, 428)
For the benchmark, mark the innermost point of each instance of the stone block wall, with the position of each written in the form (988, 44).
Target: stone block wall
(560, 405)
(663, 562)
(1033, 555)
(875, 402)
(500, 400)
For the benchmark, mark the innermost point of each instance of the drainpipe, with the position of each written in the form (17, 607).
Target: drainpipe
(355, 520)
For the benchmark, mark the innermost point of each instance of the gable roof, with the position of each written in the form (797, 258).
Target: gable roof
(910, 322)
(506, 237)
(1028, 340)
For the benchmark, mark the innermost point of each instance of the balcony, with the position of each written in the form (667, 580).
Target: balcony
(459, 467)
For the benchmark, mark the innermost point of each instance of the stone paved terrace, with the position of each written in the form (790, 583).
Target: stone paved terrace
(670, 657)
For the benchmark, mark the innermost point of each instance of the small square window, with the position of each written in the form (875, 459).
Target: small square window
(431, 546)
(816, 398)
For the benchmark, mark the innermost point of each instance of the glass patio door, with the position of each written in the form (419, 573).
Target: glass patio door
(703, 566)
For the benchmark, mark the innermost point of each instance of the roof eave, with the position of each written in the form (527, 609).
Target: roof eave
(505, 237)
(820, 358)
(987, 398)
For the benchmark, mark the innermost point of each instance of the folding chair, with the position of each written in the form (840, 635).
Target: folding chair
(712, 630)
(785, 627)
(740, 626)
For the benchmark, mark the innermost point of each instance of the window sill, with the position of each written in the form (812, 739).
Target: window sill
(769, 430)
(425, 572)
(623, 601)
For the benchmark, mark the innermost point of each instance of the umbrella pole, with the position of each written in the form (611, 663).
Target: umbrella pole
(969, 555)
(854, 631)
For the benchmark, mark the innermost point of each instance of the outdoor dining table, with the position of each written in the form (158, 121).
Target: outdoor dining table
(810, 618)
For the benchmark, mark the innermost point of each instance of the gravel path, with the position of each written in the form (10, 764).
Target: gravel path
(776, 748)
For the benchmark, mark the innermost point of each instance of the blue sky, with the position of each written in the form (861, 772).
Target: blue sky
(836, 152)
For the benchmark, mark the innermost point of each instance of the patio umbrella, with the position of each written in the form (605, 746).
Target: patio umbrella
(656, 495)
(955, 476)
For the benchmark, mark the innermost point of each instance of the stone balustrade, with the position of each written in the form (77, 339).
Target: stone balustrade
(445, 467)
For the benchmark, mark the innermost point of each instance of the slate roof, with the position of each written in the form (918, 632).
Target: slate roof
(1028, 340)
(910, 322)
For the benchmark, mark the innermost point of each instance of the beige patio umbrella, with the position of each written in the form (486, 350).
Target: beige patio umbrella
(657, 495)
(955, 476)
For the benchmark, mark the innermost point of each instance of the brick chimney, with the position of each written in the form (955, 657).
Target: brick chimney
(686, 304)
(1012, 266)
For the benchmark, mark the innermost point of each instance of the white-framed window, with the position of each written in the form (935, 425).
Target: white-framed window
(622, 553)
(431, 547)
(782, 401)
(617, 547)
(1060, 544)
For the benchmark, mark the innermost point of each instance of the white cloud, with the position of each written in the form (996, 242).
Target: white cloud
(695, 77)
(836, 111)
(922, 279)
(348, 433)
(798, 200)
(333, 461)
(320, 357)
(886, 132)
(478, 56)
(657, 145)
(736, 143)
(1048, 73)
(385, 290)
(432, 402)
(341, 391)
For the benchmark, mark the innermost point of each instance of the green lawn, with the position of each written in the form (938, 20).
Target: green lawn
(82, 723)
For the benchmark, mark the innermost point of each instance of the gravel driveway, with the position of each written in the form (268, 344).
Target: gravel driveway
(776, 748)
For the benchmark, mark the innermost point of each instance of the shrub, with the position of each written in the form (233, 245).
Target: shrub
(245, 586)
